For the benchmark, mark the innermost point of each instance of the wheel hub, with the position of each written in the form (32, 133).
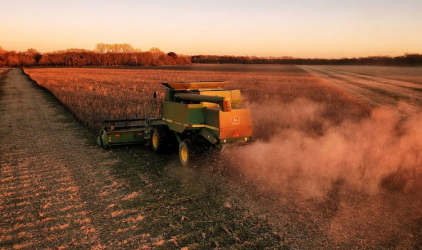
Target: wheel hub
(155, 140)
(184, 154)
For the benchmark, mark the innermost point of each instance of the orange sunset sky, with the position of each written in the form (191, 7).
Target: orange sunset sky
(303, 28)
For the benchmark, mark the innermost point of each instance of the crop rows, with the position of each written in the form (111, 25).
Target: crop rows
(93, 95)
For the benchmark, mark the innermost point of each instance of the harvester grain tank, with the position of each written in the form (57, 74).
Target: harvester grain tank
(193, 115)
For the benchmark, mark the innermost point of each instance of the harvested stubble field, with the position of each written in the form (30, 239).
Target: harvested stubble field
(327, 170)
(376, 85)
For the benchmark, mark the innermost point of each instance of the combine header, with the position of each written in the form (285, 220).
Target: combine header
(193, 115)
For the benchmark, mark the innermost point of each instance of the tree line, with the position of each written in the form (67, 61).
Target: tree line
(108, 55)
(405, 60)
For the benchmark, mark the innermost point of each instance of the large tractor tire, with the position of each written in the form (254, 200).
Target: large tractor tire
(160, 139)
(186, 152)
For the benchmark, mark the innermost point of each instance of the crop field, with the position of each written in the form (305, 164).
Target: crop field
(2, 76)
(94, 95)
(2, 70)
(336, 164)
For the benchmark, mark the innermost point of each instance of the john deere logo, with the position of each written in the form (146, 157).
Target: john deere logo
(235, 120)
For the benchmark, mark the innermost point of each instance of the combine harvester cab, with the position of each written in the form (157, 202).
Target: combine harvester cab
(196, 115)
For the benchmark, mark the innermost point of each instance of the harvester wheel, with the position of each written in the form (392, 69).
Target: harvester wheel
(160, 139)
(186, 152)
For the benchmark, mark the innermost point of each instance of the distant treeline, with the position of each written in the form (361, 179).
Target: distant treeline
(103, 55)
(405, 60)
(110, 55)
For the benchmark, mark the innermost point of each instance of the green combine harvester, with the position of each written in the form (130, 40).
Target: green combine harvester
(193, 115)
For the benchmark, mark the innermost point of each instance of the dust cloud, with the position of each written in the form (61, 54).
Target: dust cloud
(295, 140)
(373, 165)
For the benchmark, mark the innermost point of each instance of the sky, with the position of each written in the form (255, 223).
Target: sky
(301, 28)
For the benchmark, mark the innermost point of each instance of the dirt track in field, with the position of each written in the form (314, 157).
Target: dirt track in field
(375, 85)
(55, 189)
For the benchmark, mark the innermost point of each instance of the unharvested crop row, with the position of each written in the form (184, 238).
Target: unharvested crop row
(2, 71)
(97, 94)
